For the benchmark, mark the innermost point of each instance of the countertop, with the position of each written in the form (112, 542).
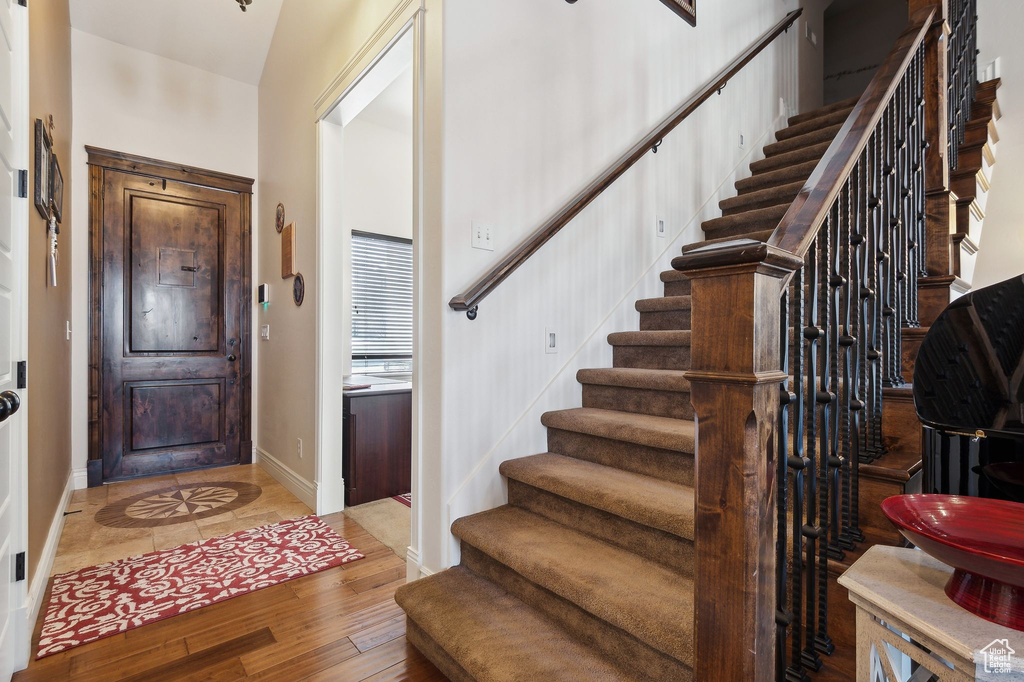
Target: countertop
(378, 386)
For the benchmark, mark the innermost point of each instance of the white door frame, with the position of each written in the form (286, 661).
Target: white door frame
(406, 18)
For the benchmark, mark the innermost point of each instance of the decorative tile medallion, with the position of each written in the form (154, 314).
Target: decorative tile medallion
(177, 504)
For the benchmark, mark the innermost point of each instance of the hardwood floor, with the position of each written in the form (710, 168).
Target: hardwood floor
(340, 625)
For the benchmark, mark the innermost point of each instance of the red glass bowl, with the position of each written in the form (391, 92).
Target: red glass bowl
(982, 539)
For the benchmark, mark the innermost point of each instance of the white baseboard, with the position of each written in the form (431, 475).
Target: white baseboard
(296, 485)
(414, 568)
(41, 576)
(80, 477)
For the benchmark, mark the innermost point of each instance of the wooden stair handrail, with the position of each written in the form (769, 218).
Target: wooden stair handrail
(469, 300)
(798, 228)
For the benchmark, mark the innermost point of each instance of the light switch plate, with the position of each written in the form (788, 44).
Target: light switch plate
(659, 227)
(483, 236)
(265, 332)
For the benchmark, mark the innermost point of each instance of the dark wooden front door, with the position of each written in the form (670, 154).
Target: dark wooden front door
(173, 323)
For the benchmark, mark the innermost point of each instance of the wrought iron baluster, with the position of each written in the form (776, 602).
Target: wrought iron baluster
(873, 260)
(846, 342)
(835, 414)
(857, 317)
(814, 527)
(823, 397)
(800, 464)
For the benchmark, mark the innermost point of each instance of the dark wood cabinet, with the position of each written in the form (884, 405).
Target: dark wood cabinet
(378, 444)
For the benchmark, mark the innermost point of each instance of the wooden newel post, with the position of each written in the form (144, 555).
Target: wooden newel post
(940, 204)
(735, 377)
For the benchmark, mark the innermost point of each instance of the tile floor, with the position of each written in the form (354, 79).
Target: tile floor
(85, 542)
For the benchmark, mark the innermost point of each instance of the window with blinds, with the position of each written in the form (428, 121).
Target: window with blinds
(381, 303)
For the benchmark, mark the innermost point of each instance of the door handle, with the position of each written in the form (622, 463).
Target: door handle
(14, 399)
(232, 357)
(10, 402)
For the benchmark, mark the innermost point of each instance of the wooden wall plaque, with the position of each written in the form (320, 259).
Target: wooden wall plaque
(288, 251)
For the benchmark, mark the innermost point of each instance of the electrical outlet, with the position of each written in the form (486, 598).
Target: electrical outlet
(550, 341)
(298, 447)
(659, 227)
(483, 236)
(265, 332)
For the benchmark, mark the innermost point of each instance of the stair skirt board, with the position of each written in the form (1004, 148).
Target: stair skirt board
(587, 572)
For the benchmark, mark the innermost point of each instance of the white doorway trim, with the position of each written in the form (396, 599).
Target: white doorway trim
(405, 22)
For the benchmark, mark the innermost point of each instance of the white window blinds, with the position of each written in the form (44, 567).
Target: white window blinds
(381, 303)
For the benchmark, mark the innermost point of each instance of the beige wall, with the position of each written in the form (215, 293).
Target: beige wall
(314, 40)
(49, 395)
(141, 103)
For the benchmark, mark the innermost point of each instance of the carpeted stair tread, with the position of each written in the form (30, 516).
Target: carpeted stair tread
(782, 176)
(796, 157)
(760, 236)
(662, 303)
(643, 499)
(671, 338)
(824, 134)
(823, 111)
(749, 221)
(626, 377)
(824, 121)
(762, 198)
(495, 637)
(650, 602)
(641, 429)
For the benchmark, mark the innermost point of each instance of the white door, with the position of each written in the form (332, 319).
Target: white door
(14, 136)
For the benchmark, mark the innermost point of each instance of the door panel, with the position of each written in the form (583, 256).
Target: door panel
(171, 310)
(174, 414)
(175, 280)
(13, 225)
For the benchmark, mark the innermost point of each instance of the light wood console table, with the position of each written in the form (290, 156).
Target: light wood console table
(908, 630)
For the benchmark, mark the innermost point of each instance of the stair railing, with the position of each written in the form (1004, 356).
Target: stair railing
(470, 299)
(962, 49)
(824, 300)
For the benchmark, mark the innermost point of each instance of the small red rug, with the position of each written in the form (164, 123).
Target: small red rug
(101, 601)
(405, 499)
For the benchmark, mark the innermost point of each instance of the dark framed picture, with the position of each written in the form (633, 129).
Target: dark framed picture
(44, 154)
(56, 189)
(299, 288)
(280, 217)
(687, 9)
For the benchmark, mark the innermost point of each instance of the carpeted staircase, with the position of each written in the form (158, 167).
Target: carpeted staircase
(586, 573)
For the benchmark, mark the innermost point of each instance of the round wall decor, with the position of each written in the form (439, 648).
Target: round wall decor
(280, 217)
(299, 288)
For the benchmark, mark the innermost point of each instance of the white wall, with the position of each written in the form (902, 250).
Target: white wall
(1001, 254)
(136, 102)
(377, 180)
(539, 98)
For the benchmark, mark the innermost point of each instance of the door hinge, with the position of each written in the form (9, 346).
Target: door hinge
(23, 184)
(23, 374)
(19, 567)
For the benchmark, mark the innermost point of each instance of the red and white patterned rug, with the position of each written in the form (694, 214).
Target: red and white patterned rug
(101, 601)
(405, 499)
